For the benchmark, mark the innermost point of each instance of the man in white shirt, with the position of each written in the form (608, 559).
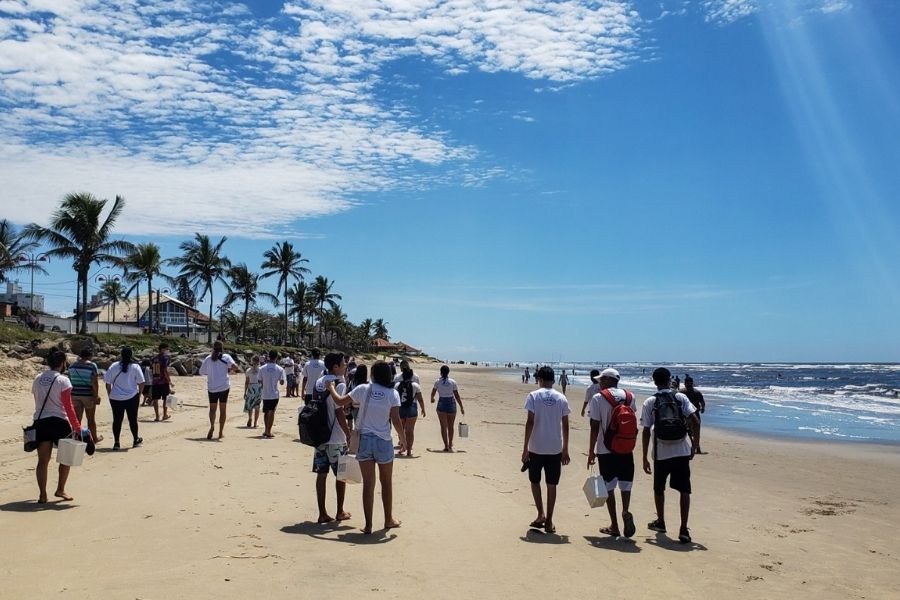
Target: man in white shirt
(546, 445)
(671, 418)
(312, 370)
(591, 390)
(328, 454)
(270, 376)
(287, 363)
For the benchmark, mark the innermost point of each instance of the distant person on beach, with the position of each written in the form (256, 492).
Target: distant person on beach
(124, 383)
(54, 419)
(252, 393)
(447, 393)
(162, 384)
(546, 447)
(327, 455)
(676, 383)
(592, 389)
(85, 378)
(526, 376)
(613, 435)
(404, 366)
(410, 393)
(669, 418)
(360, 377)
(147, 392)
(312, 370)
(287, 363)
(379, 409)
(699, 403)
(563, 380)
(270, 377)
(217, 367)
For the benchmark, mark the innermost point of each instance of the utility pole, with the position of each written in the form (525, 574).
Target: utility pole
(32, 260)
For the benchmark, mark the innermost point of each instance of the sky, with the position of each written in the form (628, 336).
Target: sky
(509, 180)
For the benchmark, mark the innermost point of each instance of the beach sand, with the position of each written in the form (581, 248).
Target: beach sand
(183, 517)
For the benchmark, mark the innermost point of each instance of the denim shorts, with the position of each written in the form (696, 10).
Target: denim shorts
(447, 405)
(409, 412)
(372, 447)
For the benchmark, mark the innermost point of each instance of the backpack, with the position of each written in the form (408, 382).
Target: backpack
(313, 420)
(621, 433)
(669, 422)
(407, 393)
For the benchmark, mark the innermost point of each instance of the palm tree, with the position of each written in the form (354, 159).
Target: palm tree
(77, 233)
(287, 263)
(244, 287)
(144, 262)
(302, 303)
(337, 323)
(113, 292)
(321, 290)
(380, 329)
(202, 264)
(13, 245)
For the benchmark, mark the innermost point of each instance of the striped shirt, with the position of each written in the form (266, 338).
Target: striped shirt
(82, 375)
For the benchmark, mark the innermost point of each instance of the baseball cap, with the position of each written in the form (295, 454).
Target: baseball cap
(607, 373)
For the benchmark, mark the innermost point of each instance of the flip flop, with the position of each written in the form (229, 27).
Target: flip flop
(684, 536)
(629, 524)
(537, 523)
(550, 528)
(610, 531)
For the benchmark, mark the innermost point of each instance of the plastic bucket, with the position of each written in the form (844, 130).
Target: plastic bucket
(463, 430)
(71, 452)
(172, 401)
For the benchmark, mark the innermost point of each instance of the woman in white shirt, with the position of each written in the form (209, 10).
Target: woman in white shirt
(448, 397)
(124, 385)
(252, 393)
(410, 394)
(216, 367)
(379, 409)
(54, 419)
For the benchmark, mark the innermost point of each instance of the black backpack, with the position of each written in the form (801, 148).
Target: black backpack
(669, 422)
(407, 393)
(313, 420)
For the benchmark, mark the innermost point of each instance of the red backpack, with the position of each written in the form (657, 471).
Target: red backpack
(621, 433)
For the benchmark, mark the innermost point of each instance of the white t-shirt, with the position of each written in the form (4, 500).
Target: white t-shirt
(377, 416)
(216, 372)
(666, 449)
(445, 388)
(124, 383)
(39, 388)
(399, 378)
(338, 437)
(549, 407)
(590, 392)
(252, 376)
(287, 364)
(270, 376)
(312, 370)
(600, 410)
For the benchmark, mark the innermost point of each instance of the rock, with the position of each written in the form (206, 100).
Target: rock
(43, 349)
(179, 368)
(38, 360)
(78, 344)
(14, 355)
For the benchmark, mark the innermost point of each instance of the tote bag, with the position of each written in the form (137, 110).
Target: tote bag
(595, 491)
(348, 469)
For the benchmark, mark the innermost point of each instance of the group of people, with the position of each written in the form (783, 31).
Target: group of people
(669, 420)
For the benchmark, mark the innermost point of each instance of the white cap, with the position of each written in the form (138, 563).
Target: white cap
(607, 373)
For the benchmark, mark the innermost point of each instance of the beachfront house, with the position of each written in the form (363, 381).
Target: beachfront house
(175, 317)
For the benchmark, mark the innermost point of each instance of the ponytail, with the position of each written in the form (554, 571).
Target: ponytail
(445, 373)
(217, 351)
(127, 358)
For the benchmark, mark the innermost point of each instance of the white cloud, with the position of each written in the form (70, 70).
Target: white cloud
(728, 11)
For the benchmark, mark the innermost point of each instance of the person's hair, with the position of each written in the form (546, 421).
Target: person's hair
(662, 376)
(546, 375)
(86, 352)
(445, 372)
(315, 353)
(127, 357)
(333, 359)
(381, 374)
(273, 354)
(163, 346)
(146, 362)
(594, 373)
(407, 373)
(218, 349)
(688, 379)
(361, 375)
(254, 361)
(56, 359)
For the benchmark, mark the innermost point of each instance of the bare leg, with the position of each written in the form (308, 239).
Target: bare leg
(340, 489)
(551, 503)
(61, 485)
(538, 502)
(611, 507)
(91, 413)
(222, 407)
(385, 474)
(321, 481)
(268, 421)
(409, 430)
(367, 467)
(213, 406)
(79, 410)
(660, 500)
(156, 409)
(451, 421)
(442, 417)
(44, 450)
(256, 417)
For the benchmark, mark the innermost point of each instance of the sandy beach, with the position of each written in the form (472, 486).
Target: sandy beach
(183, 517)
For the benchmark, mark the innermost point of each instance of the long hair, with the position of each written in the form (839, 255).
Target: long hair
(381, 374)
(407, 374)
(127, 358)
(361, 375)
(445, 373)
(218, 349)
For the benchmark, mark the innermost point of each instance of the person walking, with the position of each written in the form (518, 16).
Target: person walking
(217, 366)
(328, 454)
(592, 390)
(85, 378)
(410, 393)
(563, 381)
(448, 397)
(54, 419)
(270, 376)
(379, 409)
(161, 382)
(124, 384)
(696, 398)
(252, 393)
(311, 372)
(546, 447)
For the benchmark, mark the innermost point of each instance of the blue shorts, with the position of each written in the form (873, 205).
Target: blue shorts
(372, 447)
(409, 412)
(447, 405)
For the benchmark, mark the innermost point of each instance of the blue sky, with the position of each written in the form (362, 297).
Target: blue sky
(711, 180)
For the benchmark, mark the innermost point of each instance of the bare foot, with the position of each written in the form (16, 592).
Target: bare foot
(99, 439)
(42, 500)
(209, 434)
(366, 530)
(166, 417)
(156, 420)
(325, 519)
(392, 524)
(63, 495)
(343, 516)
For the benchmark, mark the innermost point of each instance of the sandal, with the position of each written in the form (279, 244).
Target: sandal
(657, 525)
(610, 531)
(629, 524)
(684, 535)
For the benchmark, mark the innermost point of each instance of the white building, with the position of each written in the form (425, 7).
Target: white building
(14, 295)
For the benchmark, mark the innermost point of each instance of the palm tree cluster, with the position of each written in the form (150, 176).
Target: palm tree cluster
(79, 232)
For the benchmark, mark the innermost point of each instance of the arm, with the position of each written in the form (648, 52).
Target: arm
(433, 392)
(462, 409)
(693, 424)
(65, 398)
(595, 432)
(645, 445)
(398, 427)
(342, 400)
(421, 403)
(95, 385)
(702, 404)
(565, 432)
(246, 383)
(529, 427)
(342, 422)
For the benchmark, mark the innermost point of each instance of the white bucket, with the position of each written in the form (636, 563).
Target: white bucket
(348, 469)
(71, 452)
(463, 430)
(171, 401)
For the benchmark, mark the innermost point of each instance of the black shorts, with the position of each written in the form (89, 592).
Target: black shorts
(617, 467)
(218, 396)
(269, 405)
(551, 464)
(160, 391)
(52, 429)
(677, 470)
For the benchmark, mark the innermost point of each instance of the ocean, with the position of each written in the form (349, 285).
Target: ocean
(850, 402)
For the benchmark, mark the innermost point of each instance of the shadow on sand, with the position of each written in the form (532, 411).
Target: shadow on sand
(24, 506)
(345, 533)
(608, 542)
(537, 536)
(661, 540)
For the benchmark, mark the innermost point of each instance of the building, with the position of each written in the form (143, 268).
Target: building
(174, 315)
(14, 296)
(385, 347)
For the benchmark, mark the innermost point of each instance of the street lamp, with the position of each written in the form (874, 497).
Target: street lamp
(164, 291)
(31, 261)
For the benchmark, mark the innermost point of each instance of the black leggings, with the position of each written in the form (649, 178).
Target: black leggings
(119, 408)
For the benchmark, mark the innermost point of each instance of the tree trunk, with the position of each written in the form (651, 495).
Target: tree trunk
(209, 325)
(285, 312)
(137, 300)
(244, 317)
(84, 291)
(150, 301)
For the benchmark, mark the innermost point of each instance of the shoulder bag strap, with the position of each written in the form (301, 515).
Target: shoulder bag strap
(46, 397)
(362, 415)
